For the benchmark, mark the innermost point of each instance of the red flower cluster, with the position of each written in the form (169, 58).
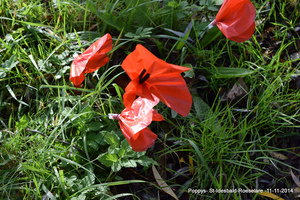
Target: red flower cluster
(153, 79)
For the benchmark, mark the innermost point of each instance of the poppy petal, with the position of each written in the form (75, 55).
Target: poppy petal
(244, 36)
(157, 116)
(236, 19)
(138, 116)
(133, 122)
(164, 81)
(146, 138)
(91, 59)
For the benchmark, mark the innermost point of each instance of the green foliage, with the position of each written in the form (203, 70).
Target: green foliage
(140, 33)
(121, 154)
(211, 35)
(7, 66)
(23, 123)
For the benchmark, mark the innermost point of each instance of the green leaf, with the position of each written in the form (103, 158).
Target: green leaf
(93, 144)
(7, 66)
(116, 166)
(2, 73)
(202, 109)
(190, 73)
(112, 139)
(70, 180)
(137, 154)
(210, 36)
(145, 161)
(113, 150)
(67, 112)
(88, 180)
(125, 145)
(61, 72)
(181, 43)
(46, 67)
(227, 72)
(95, 139)
(213, 8)
(174, 113)
(173, 4)
(218, 2)
(121, 153)
(108, 159)
(23, 123)
(140, 33)
(86, 114)
(10, 63)
(130, 35)
(129, 163)
(95, 126)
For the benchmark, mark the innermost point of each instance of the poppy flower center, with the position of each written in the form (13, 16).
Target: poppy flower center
(143, 78)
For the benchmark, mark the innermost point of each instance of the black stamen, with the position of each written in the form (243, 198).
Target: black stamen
(143, 79)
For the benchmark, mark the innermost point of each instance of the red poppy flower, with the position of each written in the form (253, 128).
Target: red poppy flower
(236, 19)
(91, 59)
(134, 121)
(150, 75)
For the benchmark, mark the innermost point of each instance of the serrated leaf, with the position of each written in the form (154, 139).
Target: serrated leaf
(10, 63)
(112, 139)
(46, 66)
(88, 180)
(227, 72)
(125, 145)
(164, 186)
(116, 166)
(71, 180)
(121, 153)
(113, 150)
(145, 161)
(129, 163)
(108, 159)
(61, 72)
(95, 139)
(202, 109)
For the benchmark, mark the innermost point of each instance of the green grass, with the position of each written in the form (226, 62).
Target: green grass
(57, 142)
